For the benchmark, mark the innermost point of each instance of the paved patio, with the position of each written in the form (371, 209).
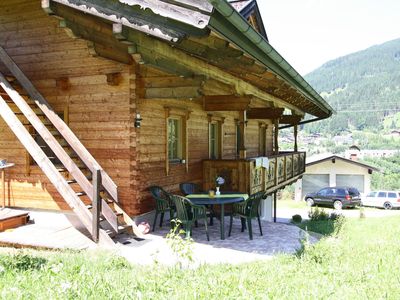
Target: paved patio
(277, 238)
(54, 230)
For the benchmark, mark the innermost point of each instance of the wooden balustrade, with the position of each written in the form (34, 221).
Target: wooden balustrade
(245, 176)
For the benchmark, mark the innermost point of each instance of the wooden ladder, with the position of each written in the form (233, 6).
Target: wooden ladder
(88, 189)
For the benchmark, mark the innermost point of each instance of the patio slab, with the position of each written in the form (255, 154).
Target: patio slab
(49, 230)
(277, 238)
(54, 230)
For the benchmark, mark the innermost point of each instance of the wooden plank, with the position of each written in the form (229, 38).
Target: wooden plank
(96, 204)
(264, 113)
(226, 103)
(66, 132)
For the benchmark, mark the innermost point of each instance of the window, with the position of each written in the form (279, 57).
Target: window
(175, 140)
(371, 194)
(392, 195)
(382, 194)
(215, 147)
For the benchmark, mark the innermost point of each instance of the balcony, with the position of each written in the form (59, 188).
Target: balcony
(245, 176)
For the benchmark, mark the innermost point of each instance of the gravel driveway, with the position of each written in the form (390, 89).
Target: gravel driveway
(285, 214)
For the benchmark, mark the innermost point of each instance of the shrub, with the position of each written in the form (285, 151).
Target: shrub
(318, 215)
(297, 218)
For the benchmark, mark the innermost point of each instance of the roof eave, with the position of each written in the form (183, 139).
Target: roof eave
(229, 23)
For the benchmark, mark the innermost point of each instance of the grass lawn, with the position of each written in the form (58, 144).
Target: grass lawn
(361, 262)
(288, 203)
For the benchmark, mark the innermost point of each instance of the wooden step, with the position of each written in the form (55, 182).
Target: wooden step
(24, 120)
(123, 228)
(34, 107)
(80, 194)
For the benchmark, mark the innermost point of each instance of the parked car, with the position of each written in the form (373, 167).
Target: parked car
(338, 197)
(383, 199)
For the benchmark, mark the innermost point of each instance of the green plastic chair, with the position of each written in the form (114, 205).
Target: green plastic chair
(247, 211)
(163, 204)
(188, 213)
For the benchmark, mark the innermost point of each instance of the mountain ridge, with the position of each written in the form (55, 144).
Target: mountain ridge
(363, 88)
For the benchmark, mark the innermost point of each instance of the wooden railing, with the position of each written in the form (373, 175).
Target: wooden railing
(245, 176)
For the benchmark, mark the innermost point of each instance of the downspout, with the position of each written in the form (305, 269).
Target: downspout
(262, 51)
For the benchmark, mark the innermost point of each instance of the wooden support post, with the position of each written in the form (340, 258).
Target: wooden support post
(3, 185)
(242, 126)
(96, 204)
(275, 207)
(295, 138)
(276, 134)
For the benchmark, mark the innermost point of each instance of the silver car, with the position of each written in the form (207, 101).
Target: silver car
(383, 199)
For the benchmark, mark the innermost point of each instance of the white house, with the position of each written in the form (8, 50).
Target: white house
(334, 170)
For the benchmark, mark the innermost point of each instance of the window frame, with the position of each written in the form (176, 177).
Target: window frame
(218, 139)
(182, 114)
(178, 138)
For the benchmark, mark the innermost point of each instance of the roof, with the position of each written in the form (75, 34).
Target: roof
(212, 31)
(239, 4)
(322, 158)
(250, 11)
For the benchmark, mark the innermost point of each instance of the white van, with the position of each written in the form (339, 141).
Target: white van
(384, 199)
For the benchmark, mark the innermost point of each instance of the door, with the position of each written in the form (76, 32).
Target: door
(356, 181)
(369, 200)
(312, 183)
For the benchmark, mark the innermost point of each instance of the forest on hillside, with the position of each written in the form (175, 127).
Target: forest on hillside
(363, 88)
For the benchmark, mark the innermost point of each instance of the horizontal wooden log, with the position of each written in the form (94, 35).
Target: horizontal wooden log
(290, 119)
(264, 113)
(226, 103)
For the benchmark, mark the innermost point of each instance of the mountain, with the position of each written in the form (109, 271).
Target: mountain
(363, 88)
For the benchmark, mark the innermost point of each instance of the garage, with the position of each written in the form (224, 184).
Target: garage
(314, 182)
(333, 170)
(356, 181)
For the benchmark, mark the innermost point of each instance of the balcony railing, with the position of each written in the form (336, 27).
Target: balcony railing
(246, 175)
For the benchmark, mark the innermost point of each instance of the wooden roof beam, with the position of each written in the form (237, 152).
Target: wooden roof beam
(265, 113)
(226, 103)
(197, 66)
(290, 119)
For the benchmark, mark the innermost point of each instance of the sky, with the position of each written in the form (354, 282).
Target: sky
(308, 33)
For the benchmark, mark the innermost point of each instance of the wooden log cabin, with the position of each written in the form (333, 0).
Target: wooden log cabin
(101, 99)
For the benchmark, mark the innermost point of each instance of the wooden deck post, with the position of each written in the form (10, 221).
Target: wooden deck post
(295, 137)
(275, 207)
(96, 204)
(242, 141)
(276, 135)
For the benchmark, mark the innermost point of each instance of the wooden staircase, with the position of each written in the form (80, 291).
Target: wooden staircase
(76, 175)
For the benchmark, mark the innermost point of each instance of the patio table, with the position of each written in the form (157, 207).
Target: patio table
(205, 199)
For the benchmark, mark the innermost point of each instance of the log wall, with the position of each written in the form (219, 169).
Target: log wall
(65, 72)
(152, 148)
(102, 115)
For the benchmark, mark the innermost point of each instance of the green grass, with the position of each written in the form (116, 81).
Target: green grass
(360, 262)
(291, 204)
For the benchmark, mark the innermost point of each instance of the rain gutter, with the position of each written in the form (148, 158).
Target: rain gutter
(303, 122)
(229, 23)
